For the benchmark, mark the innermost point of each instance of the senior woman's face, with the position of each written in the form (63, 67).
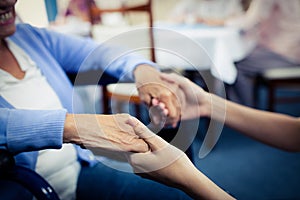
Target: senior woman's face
(7, 18)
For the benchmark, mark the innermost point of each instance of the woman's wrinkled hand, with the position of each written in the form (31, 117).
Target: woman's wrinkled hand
(104, 132)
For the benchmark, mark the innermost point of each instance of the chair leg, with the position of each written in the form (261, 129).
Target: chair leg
(137, 109)
(105, 100)
(256, 94)
(271, 98)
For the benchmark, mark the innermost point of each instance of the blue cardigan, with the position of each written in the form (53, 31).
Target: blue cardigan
(24, 132)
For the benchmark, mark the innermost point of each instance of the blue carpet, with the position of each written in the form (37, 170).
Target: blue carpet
(247, 169)
(251, 170)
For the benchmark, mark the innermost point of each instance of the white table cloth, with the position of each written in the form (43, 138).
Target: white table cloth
(218, 48)
(184, 46)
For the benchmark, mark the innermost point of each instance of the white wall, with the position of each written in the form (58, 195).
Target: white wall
(32, 12)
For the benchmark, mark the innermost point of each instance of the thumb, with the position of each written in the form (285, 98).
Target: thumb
(155, 142)
(169, 77)
(162, 153)
(173, 78)
(188, 88)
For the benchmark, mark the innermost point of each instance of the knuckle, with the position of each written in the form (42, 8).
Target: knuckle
(144, 98)
(125, 115)
(165, 96)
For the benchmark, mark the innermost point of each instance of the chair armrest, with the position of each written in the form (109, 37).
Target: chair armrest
(28, 178)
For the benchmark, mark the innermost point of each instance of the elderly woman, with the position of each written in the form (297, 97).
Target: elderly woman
(36, 113)
(274, 26)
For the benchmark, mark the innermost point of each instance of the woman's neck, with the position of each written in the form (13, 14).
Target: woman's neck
(8, 61)
(2, 43)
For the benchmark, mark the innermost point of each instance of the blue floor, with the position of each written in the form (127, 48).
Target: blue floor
(251, 170)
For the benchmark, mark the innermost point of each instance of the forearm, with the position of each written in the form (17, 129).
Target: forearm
(274, 129)
(169, 165)
(199, 186)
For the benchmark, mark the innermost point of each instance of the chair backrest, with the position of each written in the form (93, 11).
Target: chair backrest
(96, 12)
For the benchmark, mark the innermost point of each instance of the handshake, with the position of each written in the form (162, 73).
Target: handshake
(150, 156)
(175, 98)
(169, 97)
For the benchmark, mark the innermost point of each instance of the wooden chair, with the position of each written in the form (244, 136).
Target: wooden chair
(126, 92)
(146, 7)
(274, 79)
(107, 92)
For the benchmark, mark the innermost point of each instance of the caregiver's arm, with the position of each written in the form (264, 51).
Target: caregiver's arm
(278, 130)
(169, 165)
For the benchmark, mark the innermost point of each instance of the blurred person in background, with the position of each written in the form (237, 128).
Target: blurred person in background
(210, 12)
(274, 27)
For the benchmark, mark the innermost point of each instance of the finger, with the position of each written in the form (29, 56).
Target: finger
(153, 161)
(177, 106)
(165, 112)
(173, 108)
(162, 105)
(158, 116)
(171, 77)
(175, 78)
(148, 92)
(146, 98)
(155, 102)
(139, 146)
(120, 120)
(155, 114)
(139, 128)
(178, 103)
(167, 100)
(155, 142)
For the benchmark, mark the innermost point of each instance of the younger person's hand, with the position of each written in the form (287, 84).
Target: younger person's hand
(163, 162)
(169, 165)
(194, 103)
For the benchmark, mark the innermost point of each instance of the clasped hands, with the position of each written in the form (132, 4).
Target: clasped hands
(149, 154)
(112, 132)
(171, 96)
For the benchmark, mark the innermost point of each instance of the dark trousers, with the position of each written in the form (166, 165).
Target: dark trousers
(102, 182)
(259, 60)
(10, 190)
